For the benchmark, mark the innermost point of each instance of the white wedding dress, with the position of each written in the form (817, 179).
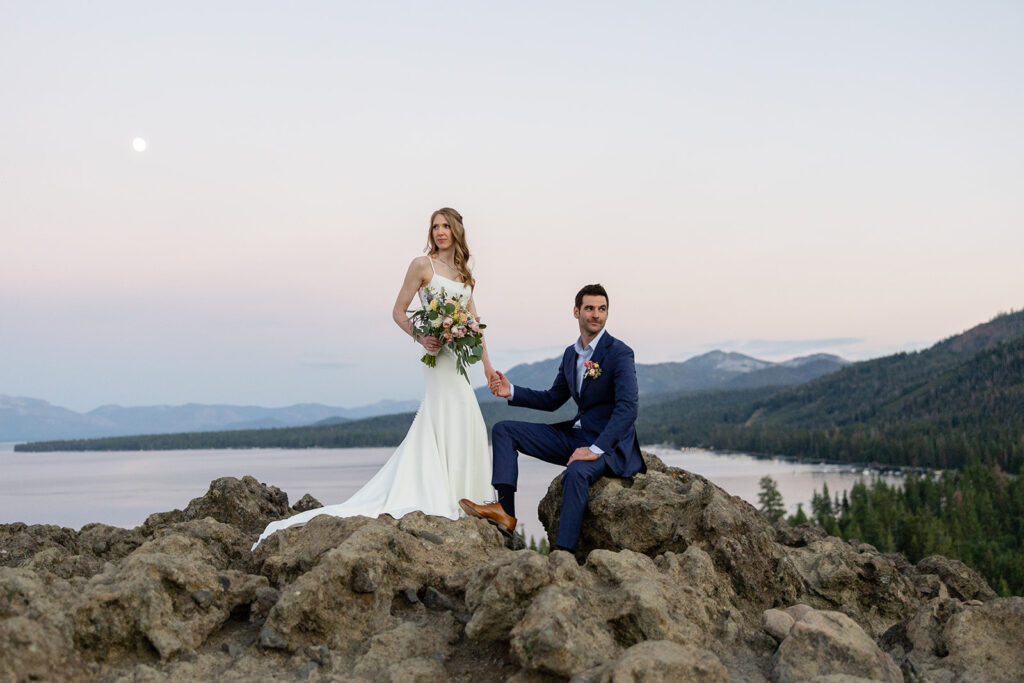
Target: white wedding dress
(444, 456)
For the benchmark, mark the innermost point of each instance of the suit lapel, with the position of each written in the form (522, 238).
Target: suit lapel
(598, 357)
(570, 358)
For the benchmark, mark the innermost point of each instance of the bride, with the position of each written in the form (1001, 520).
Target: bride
(444, 456)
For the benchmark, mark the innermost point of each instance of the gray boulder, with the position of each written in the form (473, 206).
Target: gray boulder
(826, 644)
(347, 594)
(986, 642)
(670, 510)
(952, 640)
(961, 582)
(21, 542)
(243, 503)
(65, 552)
(168, 595)
(561, 619)
(35, 634)
(290, 553)
(397, 653)
(306, 503)
(499, 592)
(659, 661)
(855, 579)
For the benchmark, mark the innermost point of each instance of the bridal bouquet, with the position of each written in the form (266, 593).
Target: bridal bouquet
(448, 318)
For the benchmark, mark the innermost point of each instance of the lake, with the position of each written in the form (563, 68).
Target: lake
(122, 488)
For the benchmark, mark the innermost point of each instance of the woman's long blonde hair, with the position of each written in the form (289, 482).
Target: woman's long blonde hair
(458, 236)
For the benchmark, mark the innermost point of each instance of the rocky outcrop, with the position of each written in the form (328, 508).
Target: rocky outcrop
(671, 510)
(169, 595)
(960, 581)
(817, 644)
(947, 639)
(675, 580)
(350, 590)
(243, 503)
(660, 661)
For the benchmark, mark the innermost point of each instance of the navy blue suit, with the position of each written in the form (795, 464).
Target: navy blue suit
(606, 410)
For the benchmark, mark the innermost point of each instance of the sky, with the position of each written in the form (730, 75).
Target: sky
(775, 179)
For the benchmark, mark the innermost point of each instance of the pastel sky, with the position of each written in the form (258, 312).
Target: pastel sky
(771, 178)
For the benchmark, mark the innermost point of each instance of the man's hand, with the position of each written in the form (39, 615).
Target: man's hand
(430, 343)
(499, 385)
(582, 453)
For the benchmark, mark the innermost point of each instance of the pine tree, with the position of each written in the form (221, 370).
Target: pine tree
(770, 499)
(799, 518)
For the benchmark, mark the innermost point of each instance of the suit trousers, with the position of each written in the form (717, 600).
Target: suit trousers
(554, 445)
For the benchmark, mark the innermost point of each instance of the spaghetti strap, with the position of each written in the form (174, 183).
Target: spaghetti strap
(432, 265)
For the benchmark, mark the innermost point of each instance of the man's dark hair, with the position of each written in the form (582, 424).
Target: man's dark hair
(590, 290)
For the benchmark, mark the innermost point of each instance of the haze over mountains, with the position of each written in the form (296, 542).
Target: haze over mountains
(23, 419)
(712, 370)
(30, 419)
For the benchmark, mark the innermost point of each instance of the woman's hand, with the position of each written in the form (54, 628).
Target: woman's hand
(431, 344)
(499, 385)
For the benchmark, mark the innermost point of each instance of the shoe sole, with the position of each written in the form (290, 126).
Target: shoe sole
(473, 513)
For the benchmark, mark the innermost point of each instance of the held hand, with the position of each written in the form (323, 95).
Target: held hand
(582, 453)
(430, 343)
(499, 384)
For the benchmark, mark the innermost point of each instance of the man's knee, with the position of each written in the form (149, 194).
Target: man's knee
(502, 428)
(575, 474)
(501, 436)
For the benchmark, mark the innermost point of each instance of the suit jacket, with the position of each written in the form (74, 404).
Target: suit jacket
(606, 406)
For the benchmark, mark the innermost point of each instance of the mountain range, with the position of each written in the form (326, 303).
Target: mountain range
(29, 419)
(712, 370)
(958, 402)
(23, 419)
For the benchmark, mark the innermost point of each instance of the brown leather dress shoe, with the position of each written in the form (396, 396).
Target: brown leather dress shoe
(492, 512)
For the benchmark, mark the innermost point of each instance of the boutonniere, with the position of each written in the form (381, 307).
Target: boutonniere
(591, 369)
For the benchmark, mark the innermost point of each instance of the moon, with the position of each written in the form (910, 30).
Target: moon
(139, 145)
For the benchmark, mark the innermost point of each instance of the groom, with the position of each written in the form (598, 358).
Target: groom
(597, 372)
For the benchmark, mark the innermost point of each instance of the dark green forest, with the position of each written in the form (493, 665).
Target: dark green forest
(938, 408)
(975, 515)
(384, 430)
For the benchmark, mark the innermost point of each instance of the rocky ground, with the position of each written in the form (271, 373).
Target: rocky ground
(674, 580)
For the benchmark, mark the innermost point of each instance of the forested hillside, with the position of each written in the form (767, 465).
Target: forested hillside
(959, 402)
(975, 515)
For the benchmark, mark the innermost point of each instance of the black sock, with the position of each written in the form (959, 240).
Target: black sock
(507, 498)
